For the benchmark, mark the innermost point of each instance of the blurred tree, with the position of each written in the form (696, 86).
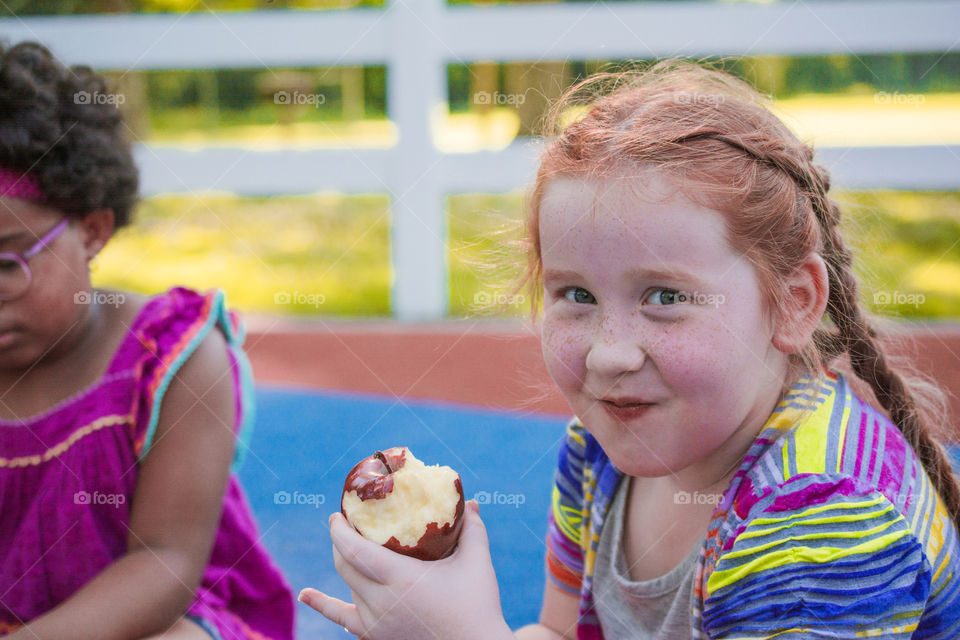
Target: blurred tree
(132, 85)
(375, 91)
(533, 88)
(484, 85)
(351, 92)
(282, 87)
(766, 73)
(526, 86)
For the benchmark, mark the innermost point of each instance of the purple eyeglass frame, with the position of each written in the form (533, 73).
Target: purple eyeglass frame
(24, 258)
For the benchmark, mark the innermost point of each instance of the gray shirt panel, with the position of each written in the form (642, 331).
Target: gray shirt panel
(655, 609)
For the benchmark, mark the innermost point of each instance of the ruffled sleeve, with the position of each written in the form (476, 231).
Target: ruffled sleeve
(821, 556)
(169, 330)
(566, 535)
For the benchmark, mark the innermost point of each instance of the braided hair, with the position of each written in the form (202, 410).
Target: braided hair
(716, 133)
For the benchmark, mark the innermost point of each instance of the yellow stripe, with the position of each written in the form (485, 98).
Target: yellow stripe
(786, 462)
(810, 536)
(843, 428)
(828, 507)
(871, 633)
(817, 521)
(921, 503)
(946, 561)
(793, 555)
(567, 519)
(589, 558)
(876, 633)
(811, 438)
(576, 435)
(60, 448)
(938, 530)
(778, 633)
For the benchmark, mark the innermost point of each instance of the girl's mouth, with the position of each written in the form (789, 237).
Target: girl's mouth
(626, 412)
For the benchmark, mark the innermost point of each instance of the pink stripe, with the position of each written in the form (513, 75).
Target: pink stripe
(873, 452)
(817, 493)
(913, 488)
(862, 441)
(891, 471)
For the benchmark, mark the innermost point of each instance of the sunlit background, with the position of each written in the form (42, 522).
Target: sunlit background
(339, 244)
(237, 208)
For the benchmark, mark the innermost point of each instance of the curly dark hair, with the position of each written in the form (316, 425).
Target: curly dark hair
(75, 146)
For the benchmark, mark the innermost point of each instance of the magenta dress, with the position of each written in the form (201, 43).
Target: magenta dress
(67, 478)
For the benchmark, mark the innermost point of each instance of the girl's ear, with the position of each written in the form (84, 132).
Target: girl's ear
(804, 303)
(96, 228)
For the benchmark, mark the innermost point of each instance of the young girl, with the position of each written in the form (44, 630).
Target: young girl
(720, 479)
(119, 415)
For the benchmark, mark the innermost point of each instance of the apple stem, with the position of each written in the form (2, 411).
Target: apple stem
(382, 458)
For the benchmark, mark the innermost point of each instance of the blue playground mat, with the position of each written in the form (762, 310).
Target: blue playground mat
(305, 442)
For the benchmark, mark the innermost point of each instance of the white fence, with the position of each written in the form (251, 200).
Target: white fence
(417, 39)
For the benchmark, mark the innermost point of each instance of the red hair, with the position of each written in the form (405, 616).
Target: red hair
(715, 135)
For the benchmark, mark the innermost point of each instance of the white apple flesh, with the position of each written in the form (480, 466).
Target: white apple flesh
(395, 500)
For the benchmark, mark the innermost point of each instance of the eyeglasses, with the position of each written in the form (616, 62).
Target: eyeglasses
(15, 275)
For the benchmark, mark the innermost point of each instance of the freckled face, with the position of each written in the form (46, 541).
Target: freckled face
(653, 326)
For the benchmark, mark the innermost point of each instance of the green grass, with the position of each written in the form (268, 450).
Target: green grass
(906, 244)
(330, 253)
(325, 253)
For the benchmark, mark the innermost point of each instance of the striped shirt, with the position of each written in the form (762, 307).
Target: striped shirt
(830, 528)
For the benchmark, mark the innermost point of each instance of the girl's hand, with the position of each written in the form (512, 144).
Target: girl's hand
(396, 597)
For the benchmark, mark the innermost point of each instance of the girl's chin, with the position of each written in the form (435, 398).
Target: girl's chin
(642, 462)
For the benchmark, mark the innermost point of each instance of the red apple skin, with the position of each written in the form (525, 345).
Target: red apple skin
(437, 542)
(372, 479)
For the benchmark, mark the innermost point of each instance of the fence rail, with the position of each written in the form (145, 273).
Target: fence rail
(416, 39)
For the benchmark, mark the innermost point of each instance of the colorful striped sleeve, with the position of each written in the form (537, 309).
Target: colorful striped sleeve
(565, 554)
(821, 556)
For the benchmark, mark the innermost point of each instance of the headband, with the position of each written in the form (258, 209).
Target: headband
(23, 186)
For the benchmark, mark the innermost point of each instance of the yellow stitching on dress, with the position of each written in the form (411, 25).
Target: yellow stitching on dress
(49, 454)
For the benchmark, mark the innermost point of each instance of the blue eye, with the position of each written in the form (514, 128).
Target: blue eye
(664, 297)
(580, 295)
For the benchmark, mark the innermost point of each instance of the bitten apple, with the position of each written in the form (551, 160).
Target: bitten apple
(395, 500)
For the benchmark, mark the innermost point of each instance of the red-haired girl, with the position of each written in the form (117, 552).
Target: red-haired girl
(721, 479)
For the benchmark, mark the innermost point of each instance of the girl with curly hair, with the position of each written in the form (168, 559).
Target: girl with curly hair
(121, 417)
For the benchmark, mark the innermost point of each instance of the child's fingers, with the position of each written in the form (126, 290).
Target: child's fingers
(355, 578)
(337, 611)
(367, 558)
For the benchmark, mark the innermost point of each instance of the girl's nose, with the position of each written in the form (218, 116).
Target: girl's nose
(612, 356)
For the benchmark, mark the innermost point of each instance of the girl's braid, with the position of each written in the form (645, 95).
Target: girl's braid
(854, 334)
(867, 356)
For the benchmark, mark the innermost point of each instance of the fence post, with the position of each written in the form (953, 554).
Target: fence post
(416, 96)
